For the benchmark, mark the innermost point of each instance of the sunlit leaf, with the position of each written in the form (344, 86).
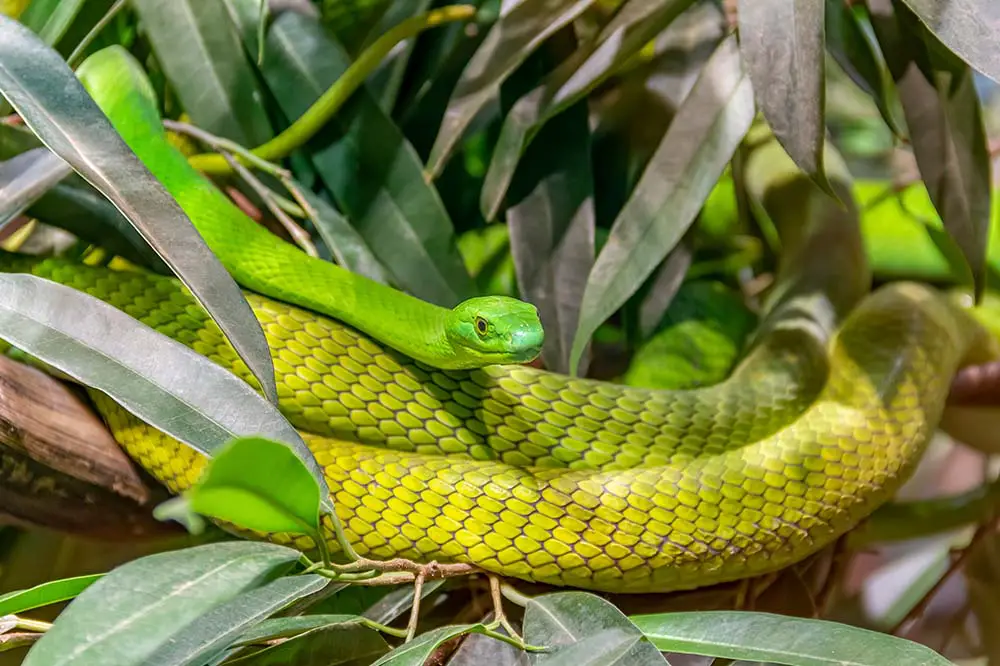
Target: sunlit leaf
(582, 628)
(210, 73)
(138, 607)
(25, 178)
(967, 27)
(44, 91)
(782, 640)
(44, 594)
(946, 128)
(702, 138)
(782, 44)
(510, 40)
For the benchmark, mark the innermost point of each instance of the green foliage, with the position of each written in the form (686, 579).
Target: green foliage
(590, 156)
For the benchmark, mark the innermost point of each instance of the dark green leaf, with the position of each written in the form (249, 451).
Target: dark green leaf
(945, 123)
(143, 370)
(580, 628)
(516, 34)
(56, 107)
(630, 30)
(551, 220)
(25, 178)
(212, 633)
(44, 594)
(374, 175)
(260, 485)
(782, 44)
(50, 19)
(416, 652)
(399, 601)
(702, 138)
(201, 54)
(967, 27)
(782, 640)
(137, 608)
(386, 81)
(344, 242)
(477, 649)
(858, 55)
(329, 645)
(283, 627)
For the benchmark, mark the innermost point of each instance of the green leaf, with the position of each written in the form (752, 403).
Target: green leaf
(201, 55)
(141, 369)
(137, 608)
(387, 80)
(782, 44)
(215, 631)
(782, 640)
(968, 27)
(857, 53)
(44, 594)
(47, 95)
(285, 627)
(417, 651)
(582, 628)
(374, 175)
(551, 221)
(50, 19)
(330, 645)
(25, 178)
(946, 128)
(699, 143)
(344, 242)
(635, 24)
(258, 484)
(517, 33)
(399, 601)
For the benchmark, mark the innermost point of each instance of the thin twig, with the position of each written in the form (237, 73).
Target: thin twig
(222, 144)
(89, 37)
(498, 612)
(411, 626)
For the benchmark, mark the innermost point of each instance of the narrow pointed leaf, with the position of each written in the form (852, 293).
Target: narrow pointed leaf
(283, 627)
(967, 27)
(44, 594)
(136, 608)
(417, 651)
(782, 640)
(374, 174)
(44, 91)
(579, 628)
(25, 178)
(50, 19)
(215, 631)
(202, 57)
(340, 644)
(782, 44)
(945, 122)
(699, 143)
(510, 40)
(160, 380)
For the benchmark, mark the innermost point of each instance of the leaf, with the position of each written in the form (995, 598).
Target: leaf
(582, 629)
(44, 594)
(969, 28)
(782, 640)
(144, 371)
(551, 221)
(329, 645)
(857, 54)
(47, 95)
(25, 178)
(399, 601)
(344, 242)
(946, 129)
(215, 631)
(635, 24)
(418, 650)
(210, 73)
(782, 47)
(260, 485)
(136, 608)
(284, 627)
(374, 175)
(510, 40)
(700, 141)
(50, 19)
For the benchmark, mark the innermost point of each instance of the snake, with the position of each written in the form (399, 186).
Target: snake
(542, 476)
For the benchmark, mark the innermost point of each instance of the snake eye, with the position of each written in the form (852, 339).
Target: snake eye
(481, 325)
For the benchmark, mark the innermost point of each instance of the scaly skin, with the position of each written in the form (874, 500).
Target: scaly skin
(578, 482)
(477, 332)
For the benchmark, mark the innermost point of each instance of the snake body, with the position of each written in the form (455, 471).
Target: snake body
(569, 481)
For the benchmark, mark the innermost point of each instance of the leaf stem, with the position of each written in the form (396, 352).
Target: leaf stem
(331, 101)
(92, 34)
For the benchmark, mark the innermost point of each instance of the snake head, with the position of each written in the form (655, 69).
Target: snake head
(495, 329)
